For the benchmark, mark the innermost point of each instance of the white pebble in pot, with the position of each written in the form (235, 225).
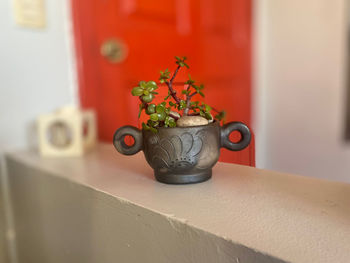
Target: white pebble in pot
(186, 121)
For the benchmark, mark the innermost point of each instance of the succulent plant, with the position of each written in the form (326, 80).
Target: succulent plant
(166, 113)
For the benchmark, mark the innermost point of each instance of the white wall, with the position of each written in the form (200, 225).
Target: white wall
(37, 75)
(36, 70)
(300, 62)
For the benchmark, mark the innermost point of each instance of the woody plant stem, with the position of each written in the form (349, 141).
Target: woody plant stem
(173, 92)
(170, 86)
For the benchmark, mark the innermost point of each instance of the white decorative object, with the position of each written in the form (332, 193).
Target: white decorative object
(67, 132)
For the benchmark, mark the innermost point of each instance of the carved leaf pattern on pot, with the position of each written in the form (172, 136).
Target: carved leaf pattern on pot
(209, 154)
(178, 153)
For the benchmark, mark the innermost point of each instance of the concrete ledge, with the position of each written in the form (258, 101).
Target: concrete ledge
(105, 207)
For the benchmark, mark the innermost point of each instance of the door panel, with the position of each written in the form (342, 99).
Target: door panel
(214, 35)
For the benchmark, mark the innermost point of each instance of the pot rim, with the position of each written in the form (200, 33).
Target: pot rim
(214, 123)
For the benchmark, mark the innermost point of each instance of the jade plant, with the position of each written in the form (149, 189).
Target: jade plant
(173, 107)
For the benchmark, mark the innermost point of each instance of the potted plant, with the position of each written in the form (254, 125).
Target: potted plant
(181, 139)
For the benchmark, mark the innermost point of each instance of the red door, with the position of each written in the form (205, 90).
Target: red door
(214, 35)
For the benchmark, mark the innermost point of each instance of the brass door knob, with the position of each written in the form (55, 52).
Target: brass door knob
(114, 50)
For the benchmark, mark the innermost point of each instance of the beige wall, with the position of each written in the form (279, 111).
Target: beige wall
(37, 74)
(299, 81)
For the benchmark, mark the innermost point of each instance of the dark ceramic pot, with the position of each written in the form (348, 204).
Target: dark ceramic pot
(182, 155)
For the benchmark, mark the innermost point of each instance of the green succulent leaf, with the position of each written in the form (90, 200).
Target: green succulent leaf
(166, 73)
(137, 91)
(142, 84)
(154, 117)
(208, 116)
(148, 98)
(166, 120)
(167, 97)
(151, 85)
(207, 108)
(164, 76)
(172, 123)
(154, 124)
(151, 126)
(160, 108)
(151, 109)
(182, 105)
(161, 116)
(181, 61)
(201, 93)
(221, 116)
(145, 126)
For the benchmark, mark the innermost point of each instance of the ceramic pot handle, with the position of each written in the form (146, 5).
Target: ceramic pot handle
(235, 126)
(121, 146)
